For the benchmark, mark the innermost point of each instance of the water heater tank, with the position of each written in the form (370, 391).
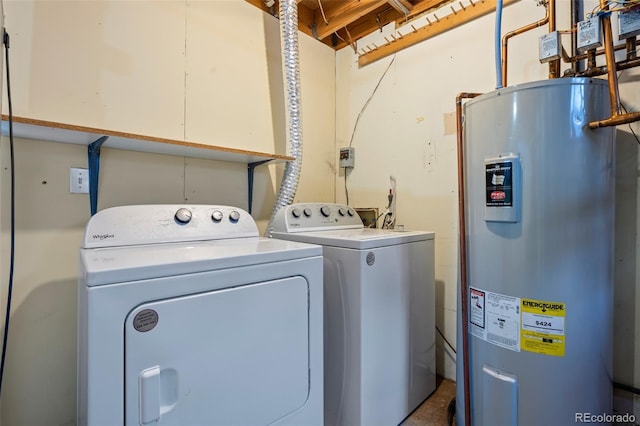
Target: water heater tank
(539, 210)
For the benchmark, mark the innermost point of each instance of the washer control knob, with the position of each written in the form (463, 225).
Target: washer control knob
(183, 215)
(351, 212)
(234, 216)
(307, 212)
(217, 216)
(295, 212)
(325, 210)
(342, 211)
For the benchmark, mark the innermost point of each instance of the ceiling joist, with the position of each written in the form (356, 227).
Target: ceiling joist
(433, 28)
(340, 23)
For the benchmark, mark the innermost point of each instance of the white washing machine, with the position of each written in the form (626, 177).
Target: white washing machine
(379, 317)
(187, 317)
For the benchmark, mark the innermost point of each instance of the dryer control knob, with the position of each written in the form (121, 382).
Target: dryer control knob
(217, 216)
(325, 210)
(234, 216)
(351, 212)
(307, 212)
(342, 211)
(295, 213)
(183, 215)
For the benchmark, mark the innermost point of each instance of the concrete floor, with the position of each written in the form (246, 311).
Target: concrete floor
(433, 412)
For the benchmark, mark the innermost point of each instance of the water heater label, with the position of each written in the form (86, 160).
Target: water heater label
(543, 328)
(476, 310)
(499, 315)
(499, 184)
(503, 187)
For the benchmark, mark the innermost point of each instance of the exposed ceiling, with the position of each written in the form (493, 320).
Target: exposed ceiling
(340, 23)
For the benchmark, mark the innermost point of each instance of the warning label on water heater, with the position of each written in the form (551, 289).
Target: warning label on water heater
(495, 318)
(499, 184)
(543, 327)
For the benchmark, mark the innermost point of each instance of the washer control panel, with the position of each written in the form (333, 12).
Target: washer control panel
(315, 217)
(151, 224)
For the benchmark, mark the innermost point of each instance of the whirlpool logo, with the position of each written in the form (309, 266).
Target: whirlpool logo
(102, 236)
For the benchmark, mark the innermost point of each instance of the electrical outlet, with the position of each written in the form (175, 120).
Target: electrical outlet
(78, 181)
(347, 157)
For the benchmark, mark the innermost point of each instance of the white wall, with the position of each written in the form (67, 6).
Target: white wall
(105, 64)
(408, 130)
(122, 66)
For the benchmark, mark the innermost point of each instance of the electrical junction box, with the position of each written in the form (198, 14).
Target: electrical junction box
(629, 23)
(347, 157)
(503, 187)
(589, 34)
(550, 47)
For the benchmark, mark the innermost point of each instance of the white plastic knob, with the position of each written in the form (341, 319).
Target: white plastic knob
(234, 216)
(183, 215)
(217, 216)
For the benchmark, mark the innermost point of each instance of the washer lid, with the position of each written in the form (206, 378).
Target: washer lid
(109, 265)
(362, 239)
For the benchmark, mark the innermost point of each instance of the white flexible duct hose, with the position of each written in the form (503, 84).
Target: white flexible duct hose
(291, 70)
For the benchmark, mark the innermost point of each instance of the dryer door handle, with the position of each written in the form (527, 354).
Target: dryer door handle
(149, 395)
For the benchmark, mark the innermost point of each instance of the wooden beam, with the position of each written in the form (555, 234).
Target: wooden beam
(480, 8)
(401, 6)
(340, 14)
(305, 15)
(425, 5)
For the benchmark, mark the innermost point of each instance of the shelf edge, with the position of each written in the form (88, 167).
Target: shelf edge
(70, 133)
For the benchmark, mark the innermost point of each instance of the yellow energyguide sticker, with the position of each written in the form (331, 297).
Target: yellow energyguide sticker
(542, 327)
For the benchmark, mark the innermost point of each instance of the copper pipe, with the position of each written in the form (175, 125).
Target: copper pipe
(554, 66)
(596, 53)
(591, 59)
(631, 48)
(616, 120)
(609, 55)
(464, 303)
(617, 117)
(623, 65)
(507, 36)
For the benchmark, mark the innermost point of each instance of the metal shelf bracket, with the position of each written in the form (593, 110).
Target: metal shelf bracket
(93, 152)
(250, 173)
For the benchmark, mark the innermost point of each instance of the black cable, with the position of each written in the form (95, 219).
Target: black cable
(630, 128)
(355, 126)
(375, 89)
(445, 339)
(5, 40)
(451, 411)
(626, 387)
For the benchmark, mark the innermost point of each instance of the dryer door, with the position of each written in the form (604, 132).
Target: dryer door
(238, 356)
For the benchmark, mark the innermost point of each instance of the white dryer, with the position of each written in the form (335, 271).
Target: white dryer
(187, 317)
(379, 317)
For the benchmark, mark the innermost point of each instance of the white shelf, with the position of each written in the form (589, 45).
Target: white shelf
(68, 133)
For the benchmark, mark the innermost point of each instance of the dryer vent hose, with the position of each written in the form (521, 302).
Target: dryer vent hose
(291, 75)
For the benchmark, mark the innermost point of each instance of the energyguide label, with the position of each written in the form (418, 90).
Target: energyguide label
(516, 323)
